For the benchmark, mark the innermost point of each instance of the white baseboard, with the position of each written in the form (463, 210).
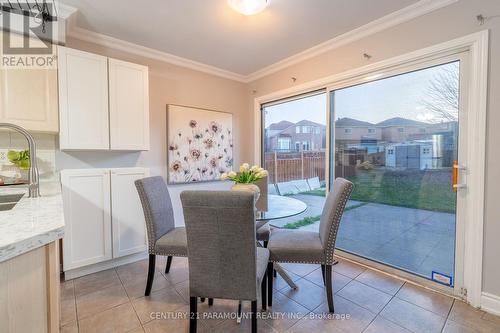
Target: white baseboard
(81, 271)
(490, 303)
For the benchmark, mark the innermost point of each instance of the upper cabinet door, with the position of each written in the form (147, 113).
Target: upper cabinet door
(129, 106)
(127, 220)
(28, 97)
(83, 100)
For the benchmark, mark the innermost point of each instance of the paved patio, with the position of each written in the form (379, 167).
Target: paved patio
(415, 240)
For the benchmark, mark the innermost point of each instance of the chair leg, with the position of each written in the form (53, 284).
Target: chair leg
(254, 316)
(202, 299)
(263, 289)
(151, 274)
(275, 274)
(210, 301)
(265, 243)
(270, 270)
(323, 273)
(239, 311)
(329, 292)
(169, 262)
(193, 314)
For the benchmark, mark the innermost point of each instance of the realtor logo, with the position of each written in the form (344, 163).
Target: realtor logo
(28, 30)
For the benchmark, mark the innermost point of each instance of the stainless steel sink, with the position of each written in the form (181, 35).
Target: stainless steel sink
(8, 201)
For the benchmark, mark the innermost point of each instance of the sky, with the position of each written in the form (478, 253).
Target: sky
(398, 96)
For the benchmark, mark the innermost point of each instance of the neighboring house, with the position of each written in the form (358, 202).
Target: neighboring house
(396, 142)
(276, 128)
(351, 130)
(348, 130)
(401, 129)
(304, 135)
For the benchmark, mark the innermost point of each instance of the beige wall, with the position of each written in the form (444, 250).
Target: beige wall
(442, 25)
(176, 85)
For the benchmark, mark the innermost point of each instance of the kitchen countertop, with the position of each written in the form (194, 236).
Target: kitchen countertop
(33, 222)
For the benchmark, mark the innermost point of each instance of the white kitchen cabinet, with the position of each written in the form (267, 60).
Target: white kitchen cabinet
(83, 100)
(129, 228)
(28, 97)
(128, 105)
(103, 215)
(103, 102)
(87, 215)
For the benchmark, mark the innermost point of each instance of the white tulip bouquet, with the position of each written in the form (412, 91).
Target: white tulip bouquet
(247, 174)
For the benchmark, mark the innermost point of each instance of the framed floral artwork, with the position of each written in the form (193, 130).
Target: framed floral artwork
(199, 143)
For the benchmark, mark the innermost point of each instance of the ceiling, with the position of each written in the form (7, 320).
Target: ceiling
(210, 32)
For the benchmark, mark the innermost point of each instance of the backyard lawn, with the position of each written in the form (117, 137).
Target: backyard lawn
(429, 190)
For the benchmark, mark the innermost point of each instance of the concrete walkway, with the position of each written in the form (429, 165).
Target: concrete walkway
(415, 240)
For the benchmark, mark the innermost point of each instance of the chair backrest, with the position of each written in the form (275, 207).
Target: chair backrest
(221, 245)
(332, 214)
(157, 208)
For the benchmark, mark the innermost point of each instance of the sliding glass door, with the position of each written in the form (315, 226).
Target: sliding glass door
(397, 140)
(399, 136)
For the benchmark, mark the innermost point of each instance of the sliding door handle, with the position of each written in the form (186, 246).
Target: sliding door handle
(454, 177)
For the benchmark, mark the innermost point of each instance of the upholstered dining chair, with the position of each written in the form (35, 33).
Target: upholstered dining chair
(263, 232)
(224, 260)
(307, 247)
(163, 237)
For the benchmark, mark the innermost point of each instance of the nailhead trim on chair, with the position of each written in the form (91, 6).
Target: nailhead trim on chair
(330, 247)
(299, 262)
(148, 218)
(168, 254)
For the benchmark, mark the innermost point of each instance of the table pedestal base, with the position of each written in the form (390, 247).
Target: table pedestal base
(285, 276)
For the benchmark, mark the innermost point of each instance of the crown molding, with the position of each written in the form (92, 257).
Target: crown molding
(119, 44)
(405, 14)
(64, 11)
(420, 8)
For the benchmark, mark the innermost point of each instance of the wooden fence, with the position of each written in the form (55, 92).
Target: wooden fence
(283, 167)
(287, 166)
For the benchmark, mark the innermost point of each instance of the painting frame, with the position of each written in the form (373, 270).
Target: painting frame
(199, 144)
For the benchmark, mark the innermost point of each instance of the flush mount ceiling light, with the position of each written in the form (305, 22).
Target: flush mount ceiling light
(248, 7)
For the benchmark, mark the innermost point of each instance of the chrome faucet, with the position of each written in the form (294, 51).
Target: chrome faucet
(34, 184)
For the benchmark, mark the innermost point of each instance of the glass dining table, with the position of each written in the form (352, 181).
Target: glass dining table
(279, 207)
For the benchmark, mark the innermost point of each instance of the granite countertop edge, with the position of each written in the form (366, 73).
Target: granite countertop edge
(32, 223)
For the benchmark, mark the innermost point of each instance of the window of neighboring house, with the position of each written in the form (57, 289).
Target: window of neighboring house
(297, 146)
(284, 143)
(347, 130)
(305, 145)
(297, 129)
(372, 130)
(307, 129)
(426, 151)
(317, 130)
(401, 129)
(390, 151)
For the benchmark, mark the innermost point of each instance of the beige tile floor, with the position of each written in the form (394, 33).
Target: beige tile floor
(365, 301)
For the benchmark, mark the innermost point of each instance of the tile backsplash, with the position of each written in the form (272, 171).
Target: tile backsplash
(46, 152)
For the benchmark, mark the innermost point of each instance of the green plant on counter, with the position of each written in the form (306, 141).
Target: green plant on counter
(20, 158)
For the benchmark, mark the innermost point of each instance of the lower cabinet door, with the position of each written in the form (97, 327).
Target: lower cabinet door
(87, 213)
(129, 228)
